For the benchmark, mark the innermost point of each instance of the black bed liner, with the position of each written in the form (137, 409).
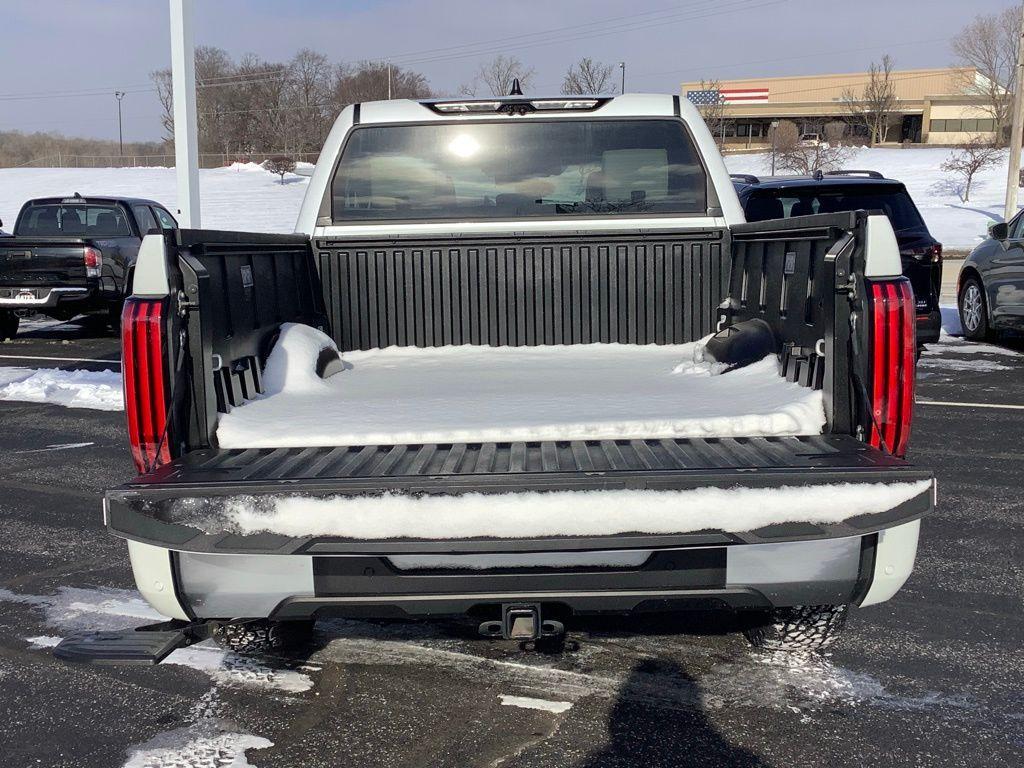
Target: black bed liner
(149, 508)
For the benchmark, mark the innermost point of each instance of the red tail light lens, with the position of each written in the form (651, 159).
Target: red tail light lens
(893, 344)
(144, 370)
(93, 262)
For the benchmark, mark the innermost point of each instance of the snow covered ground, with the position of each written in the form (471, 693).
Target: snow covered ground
(100, 390)
(407, 395)
(243, 197)
(954, 223)
(246, 197)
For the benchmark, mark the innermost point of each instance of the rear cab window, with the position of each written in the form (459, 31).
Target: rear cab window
(893, 200)
(73, 220)
(552, 168)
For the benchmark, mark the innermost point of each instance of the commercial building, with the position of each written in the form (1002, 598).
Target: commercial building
(933, 106)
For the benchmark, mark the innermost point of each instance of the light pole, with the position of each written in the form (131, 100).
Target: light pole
(120, 136)
(773, 128)
(622, 66)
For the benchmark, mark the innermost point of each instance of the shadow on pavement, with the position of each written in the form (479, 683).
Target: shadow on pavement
(643, 732)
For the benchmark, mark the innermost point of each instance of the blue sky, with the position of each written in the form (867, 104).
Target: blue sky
(71, 55)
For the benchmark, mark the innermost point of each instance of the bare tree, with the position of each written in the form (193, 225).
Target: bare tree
(714, 111)
(588, 77)
(280, 165)
(368, 81)
(807, 157)
(968, 160)
(989, 45)
(499, 73)
(874, 105)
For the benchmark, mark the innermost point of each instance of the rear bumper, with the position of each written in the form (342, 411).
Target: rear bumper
(862, 570)
(44, 298)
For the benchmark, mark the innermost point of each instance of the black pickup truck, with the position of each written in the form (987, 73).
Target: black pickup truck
(70, 256)
(580, 272)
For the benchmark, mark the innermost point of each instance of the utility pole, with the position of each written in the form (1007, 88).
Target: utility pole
(774, 127)
(622, 66)
(120, 136)
(1013, 172)
(183, 84)
(389, 81)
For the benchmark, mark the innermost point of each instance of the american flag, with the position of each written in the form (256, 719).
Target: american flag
(728, 96)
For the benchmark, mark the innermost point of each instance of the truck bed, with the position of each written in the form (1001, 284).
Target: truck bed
(479, 394)
(178, 505)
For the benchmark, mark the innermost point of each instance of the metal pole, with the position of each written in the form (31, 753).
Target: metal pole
(774, 127)
(389, 81)
(120, 136)
(622, 66)
(183, 80)
(1013, 171)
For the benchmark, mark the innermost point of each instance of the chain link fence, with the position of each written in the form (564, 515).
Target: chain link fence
(206, 160)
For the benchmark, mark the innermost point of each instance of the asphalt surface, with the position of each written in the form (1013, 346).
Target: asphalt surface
(934, 677)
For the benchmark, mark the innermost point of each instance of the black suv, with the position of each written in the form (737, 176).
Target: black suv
(780, 197)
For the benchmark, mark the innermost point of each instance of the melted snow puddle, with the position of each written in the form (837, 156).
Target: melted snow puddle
(74, 609)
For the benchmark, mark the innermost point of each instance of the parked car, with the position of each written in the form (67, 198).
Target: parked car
(71, 256)
(990, 287)
(477, 230)
(777, 197)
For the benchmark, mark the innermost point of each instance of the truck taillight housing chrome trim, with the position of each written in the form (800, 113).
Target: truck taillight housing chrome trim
(893, 344)
(93, 261)
(145, 375)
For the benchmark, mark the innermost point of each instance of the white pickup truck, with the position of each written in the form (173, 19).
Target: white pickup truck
(523, 361)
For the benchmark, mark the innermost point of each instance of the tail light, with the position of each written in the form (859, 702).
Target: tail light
(93, 261)
(893, 345)
(144, 370)
(930, 255)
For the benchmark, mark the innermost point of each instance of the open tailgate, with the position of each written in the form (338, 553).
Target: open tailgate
(162, 508)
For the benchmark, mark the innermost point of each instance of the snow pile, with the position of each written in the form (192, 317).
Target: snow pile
(186, 747)
(291, 365)
(558, 513)
(99, 390)
(409, 395)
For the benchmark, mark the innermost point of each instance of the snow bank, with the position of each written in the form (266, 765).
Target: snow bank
(558, 513)
(99, 390)
(408, 395)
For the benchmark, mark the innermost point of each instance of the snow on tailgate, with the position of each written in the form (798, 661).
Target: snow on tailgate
(408, 395)
(557, 513)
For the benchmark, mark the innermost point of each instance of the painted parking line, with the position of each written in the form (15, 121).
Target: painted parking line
(60, 359)
(1004, 406)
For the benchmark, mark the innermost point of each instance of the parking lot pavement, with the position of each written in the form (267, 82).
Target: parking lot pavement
(933, 678)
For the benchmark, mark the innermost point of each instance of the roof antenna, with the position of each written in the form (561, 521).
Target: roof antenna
(516, 90)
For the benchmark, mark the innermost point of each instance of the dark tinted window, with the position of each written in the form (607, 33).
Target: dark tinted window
(520, 168)
(785, 203)
(78, 220)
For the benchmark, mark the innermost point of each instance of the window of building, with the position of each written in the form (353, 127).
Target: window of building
(986, 126)
(969, 126)
(743, 130)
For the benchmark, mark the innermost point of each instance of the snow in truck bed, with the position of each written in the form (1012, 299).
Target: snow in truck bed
(408, 395)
